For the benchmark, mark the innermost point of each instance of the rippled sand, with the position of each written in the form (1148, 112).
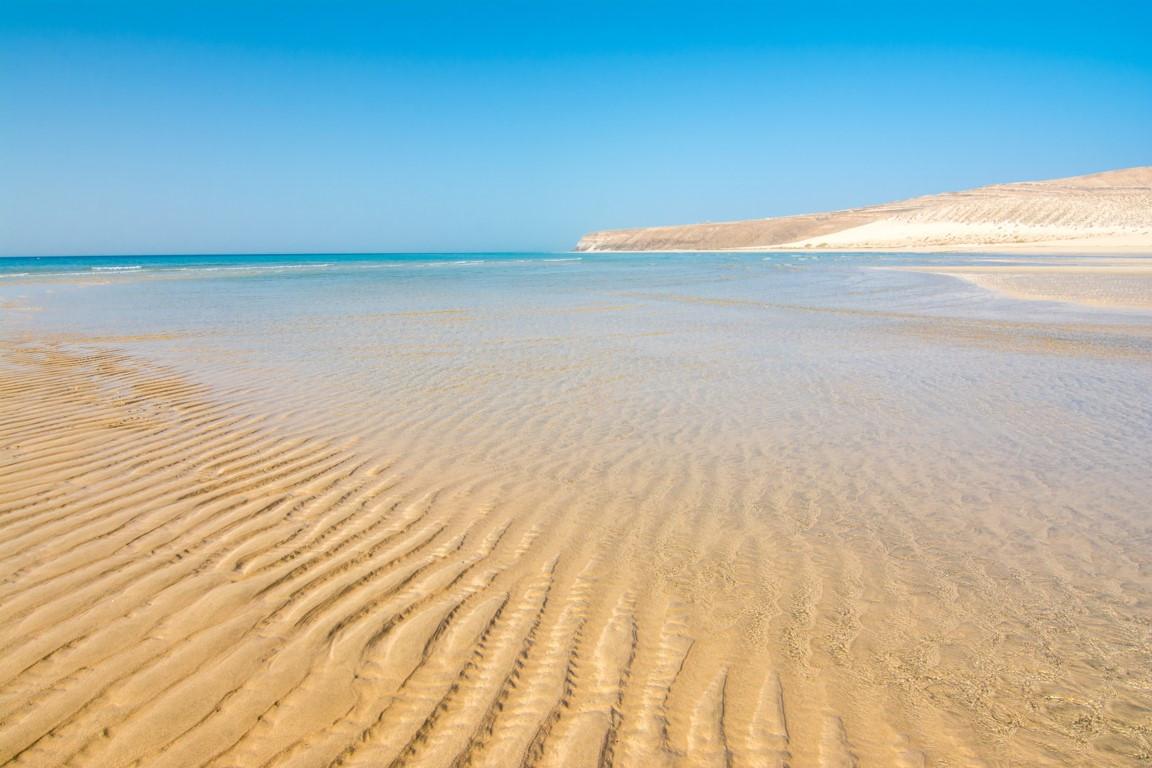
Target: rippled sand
(741, 513)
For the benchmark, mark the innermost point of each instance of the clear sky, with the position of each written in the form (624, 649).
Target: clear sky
(227, 126)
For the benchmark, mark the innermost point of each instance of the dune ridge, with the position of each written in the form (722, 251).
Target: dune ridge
(1102, 212)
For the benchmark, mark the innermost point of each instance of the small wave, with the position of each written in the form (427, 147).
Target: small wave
(116, 269)
(51, 274)
(252, 268)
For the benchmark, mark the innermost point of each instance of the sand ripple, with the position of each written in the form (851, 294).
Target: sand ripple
(566, 554)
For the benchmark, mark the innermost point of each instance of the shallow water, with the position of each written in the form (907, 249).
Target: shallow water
(909, 514)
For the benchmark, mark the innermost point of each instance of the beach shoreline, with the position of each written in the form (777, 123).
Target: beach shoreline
(1124, 284)
(693, 509)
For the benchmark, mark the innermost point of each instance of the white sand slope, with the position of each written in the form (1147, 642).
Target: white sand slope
(1102, 212)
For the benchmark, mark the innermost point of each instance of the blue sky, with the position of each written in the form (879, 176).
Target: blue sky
(165, 127)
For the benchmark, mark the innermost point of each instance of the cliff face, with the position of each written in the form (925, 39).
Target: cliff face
(1103, 210)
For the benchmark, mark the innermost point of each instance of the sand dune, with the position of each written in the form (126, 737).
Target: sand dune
(1103, 212)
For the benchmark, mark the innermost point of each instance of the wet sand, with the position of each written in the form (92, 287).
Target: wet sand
(1104, 281)
(695, 524)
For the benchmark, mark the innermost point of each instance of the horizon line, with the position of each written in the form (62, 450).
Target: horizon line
(270, 253)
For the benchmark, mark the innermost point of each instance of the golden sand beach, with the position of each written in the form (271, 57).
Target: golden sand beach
(695, 513)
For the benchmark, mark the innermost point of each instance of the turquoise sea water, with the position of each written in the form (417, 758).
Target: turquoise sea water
(27, 266)
(775, 342)
(271, 287)
(297, 313)
(831, 277)
(807, 328)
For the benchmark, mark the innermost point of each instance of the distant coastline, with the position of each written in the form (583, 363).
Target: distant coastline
(1109, 212)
